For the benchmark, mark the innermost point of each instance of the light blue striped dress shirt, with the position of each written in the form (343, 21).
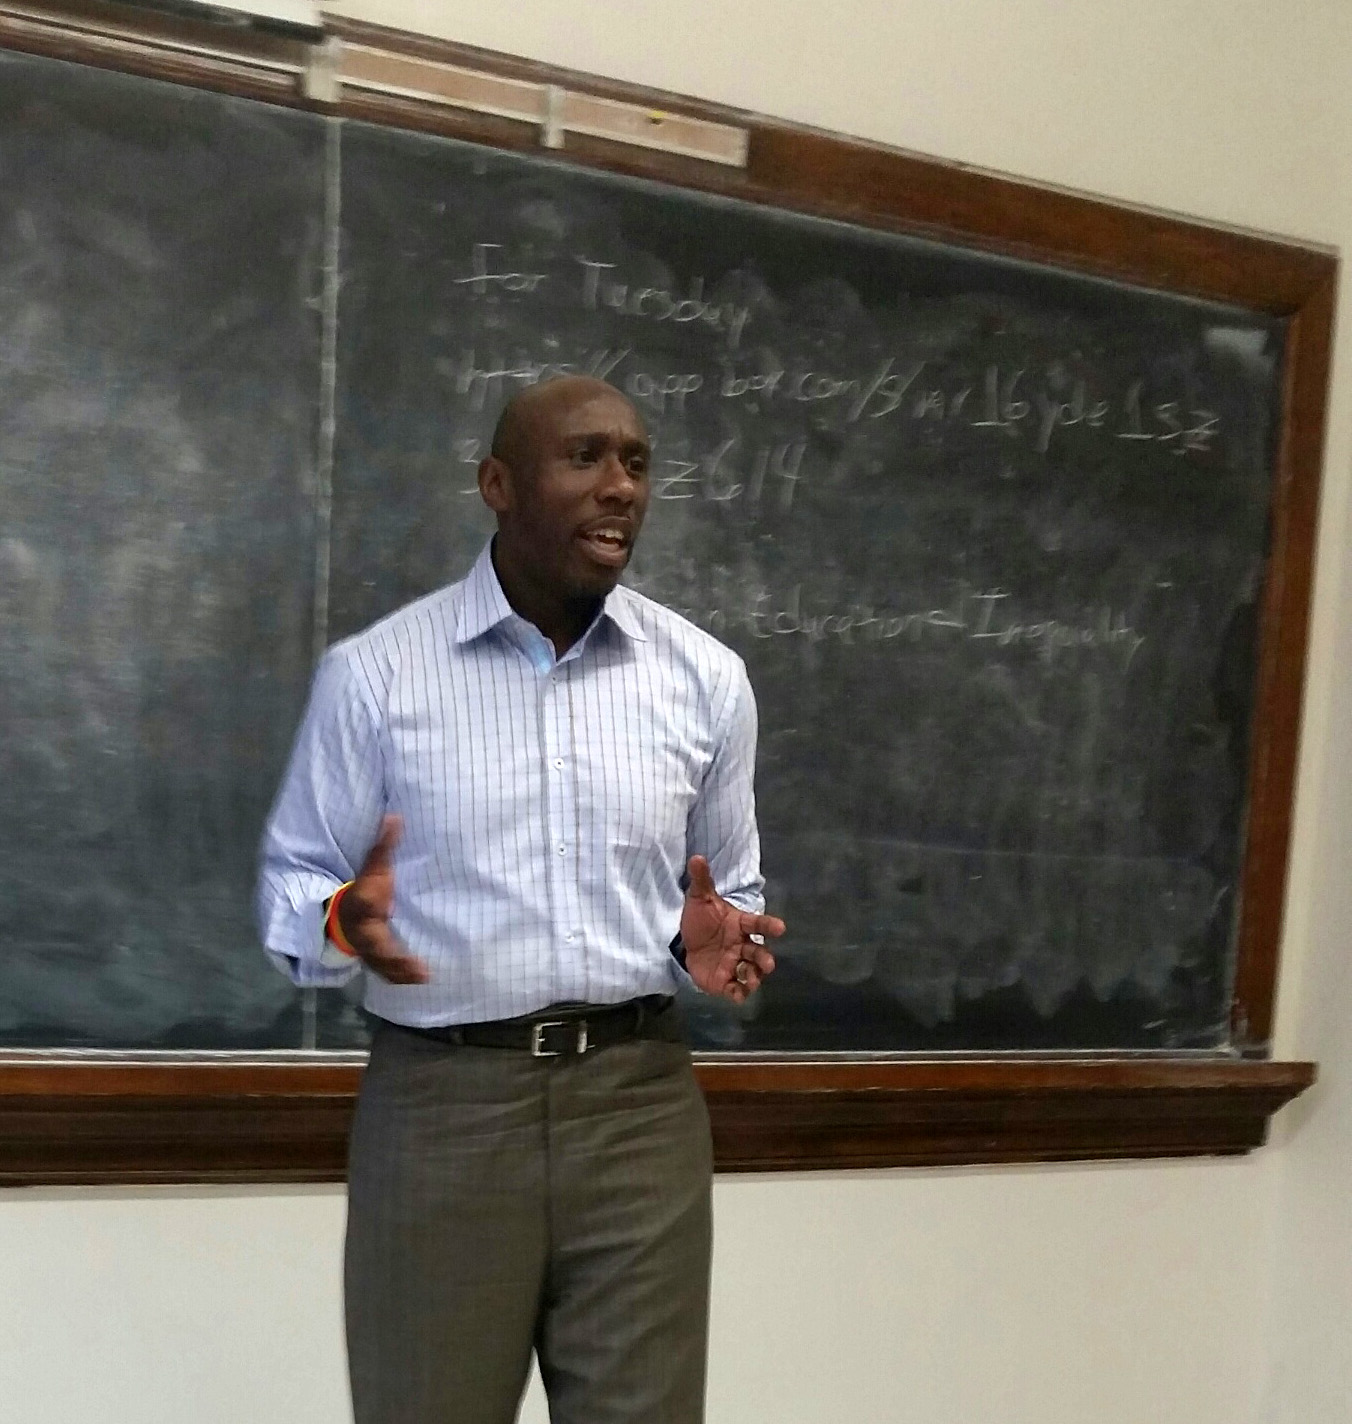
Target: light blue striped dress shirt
(549, 804)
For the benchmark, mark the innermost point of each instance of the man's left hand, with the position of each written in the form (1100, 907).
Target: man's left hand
(720, 954)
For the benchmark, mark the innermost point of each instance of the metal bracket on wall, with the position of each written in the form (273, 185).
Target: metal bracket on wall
(319, 80)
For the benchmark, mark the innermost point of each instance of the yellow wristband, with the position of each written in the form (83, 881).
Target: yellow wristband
(333, 929)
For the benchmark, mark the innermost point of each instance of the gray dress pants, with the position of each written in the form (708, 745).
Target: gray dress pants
(500, 1203)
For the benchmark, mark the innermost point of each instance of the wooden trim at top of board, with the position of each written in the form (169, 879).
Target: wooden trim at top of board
(789, 166)
(156, 45)
(88, 1122)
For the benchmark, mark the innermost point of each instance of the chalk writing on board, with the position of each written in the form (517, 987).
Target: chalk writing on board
(1010, 403)
(992, 618)
(999, 400)
(771, 472)
(483, 278)
(602, 288)
(660, 391)
(487, 386)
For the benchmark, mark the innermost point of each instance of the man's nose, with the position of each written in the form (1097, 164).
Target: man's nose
(617, 482)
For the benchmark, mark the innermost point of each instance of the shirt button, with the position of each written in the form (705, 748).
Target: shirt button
(558, 763)
(563, 850)
(570, 938)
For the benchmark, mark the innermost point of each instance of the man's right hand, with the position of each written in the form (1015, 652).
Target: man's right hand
(364, 914)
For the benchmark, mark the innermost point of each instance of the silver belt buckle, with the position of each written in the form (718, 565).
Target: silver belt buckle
(537, 1032)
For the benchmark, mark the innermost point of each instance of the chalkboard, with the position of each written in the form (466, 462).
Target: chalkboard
(991, 537)
(159, 379)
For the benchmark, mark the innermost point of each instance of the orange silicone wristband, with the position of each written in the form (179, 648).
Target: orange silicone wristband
(333, 929)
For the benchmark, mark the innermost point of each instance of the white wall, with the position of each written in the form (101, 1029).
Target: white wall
(1026, 1297)
(1183, 1293)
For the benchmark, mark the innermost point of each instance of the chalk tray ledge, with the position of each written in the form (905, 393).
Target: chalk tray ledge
(92, 1121)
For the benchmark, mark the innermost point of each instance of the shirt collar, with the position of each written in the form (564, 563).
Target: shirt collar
(484, 605)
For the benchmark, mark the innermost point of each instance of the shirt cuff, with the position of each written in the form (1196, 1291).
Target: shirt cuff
(320, 963)
(678, 970)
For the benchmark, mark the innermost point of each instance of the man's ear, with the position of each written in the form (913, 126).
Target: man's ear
(495, 484)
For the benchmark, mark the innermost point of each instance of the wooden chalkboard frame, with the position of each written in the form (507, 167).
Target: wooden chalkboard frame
(170, 1118)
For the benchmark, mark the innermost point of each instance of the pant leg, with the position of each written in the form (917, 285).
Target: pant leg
(624, 1329)
(446, 1232)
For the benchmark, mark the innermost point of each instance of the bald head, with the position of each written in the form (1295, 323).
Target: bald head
(532, 413)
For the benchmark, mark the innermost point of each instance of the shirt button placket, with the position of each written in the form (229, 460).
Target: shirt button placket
(562, 817)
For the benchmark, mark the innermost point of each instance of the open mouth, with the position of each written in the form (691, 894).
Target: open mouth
(609, 546)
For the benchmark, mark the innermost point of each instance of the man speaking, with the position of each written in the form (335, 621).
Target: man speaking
(494, 802)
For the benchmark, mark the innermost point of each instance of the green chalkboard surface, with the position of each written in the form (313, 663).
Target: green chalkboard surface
(991, 537)
(159, 373)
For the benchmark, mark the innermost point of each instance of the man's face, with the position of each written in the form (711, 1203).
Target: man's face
(577, 492)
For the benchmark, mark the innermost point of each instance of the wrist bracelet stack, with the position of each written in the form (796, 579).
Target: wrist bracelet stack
(333, 929)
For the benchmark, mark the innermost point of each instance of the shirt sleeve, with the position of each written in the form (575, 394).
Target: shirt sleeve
(722, 823)
(326, 817)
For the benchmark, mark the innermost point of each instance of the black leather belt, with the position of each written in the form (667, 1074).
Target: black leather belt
(572, 1028)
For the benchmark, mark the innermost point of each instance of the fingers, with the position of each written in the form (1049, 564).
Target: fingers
(379, 858)
(755, 929)
(744, 980)
(701, 879)
(759, 958)
(744, 970)
(386, 956)
(399, 969)
(748, 975)
(365, 910)
(741, 968)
